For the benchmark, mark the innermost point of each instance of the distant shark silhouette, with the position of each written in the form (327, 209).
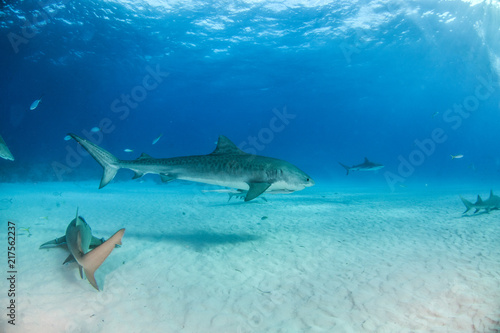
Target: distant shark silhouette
(226, 166)
(80, 241)
(365, 166)
(492, 203)
(4, 150)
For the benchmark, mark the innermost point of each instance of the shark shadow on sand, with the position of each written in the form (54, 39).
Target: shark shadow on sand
(199, 240)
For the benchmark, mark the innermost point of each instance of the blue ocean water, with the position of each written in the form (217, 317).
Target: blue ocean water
(412, 85)
(404, 83)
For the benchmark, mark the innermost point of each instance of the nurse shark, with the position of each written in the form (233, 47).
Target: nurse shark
(88, 251)
(226, 166)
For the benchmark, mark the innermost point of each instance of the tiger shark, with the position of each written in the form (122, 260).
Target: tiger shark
(88, 251)
(4, 150)
(226, 166)
(365, 166)
(492, 203)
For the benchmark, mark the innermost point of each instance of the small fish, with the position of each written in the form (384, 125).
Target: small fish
(435, 114)
(95, 129)
(128, 150)
(26, 229)
(158, 138)
(34, 105)
(456, 156)
(67, 138)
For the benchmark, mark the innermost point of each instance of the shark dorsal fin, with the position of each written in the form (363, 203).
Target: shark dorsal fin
(491, 194)
(479, 200)
(366, 160)
(226, 147)
(78, 220)
(143, 156)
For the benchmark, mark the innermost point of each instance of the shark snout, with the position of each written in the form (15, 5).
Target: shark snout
(309, 182)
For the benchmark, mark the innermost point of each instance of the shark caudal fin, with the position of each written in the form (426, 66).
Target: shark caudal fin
(109, 163)
(469, 205)
(93, 259)
(346, 167)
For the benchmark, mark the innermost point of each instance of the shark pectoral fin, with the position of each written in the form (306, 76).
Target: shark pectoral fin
(95, 242)
(138, 174)
(255, 190)
(93, 259)
(166, 178)
(70, 258)
(55, 242)
(81, 273)
(477, 210)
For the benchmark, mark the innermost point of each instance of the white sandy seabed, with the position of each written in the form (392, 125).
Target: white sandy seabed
(321, 260)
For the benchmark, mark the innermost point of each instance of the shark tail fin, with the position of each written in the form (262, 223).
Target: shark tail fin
(109, 163)
(93, 259)
(469, 205)
(346, 167)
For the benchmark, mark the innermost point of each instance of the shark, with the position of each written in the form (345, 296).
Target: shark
(88, 251)
(4, 150)
(365, 166)
(492, 203)
(226, 166)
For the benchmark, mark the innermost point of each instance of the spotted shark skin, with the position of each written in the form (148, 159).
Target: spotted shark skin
(226, 166)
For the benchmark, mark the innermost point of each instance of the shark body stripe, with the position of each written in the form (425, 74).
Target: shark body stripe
(226, 166)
